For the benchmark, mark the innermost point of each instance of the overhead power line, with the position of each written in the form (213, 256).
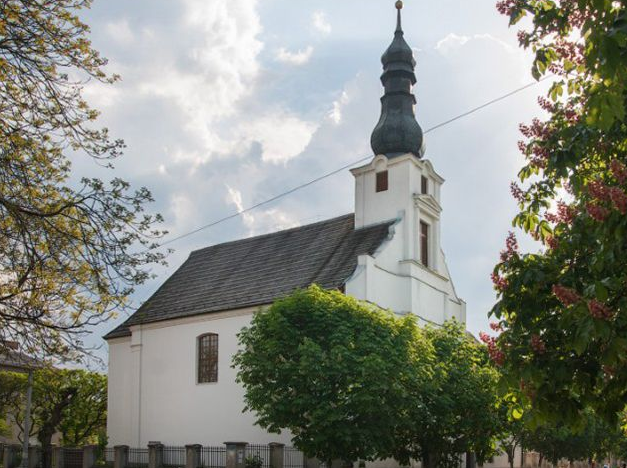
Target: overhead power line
(347, 166)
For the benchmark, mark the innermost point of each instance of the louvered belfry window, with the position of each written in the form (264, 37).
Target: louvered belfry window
(208, 358)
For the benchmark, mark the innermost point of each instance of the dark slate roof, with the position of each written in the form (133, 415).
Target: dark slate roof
(259, 270)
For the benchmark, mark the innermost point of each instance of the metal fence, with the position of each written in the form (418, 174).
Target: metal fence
(72, 457)
(174, 457)
(108, 457)
(260, 451)
(213, 457)
(293, 458)
(52, 455)
(137, 458)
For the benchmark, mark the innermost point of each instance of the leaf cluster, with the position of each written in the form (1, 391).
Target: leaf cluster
(352, 381)
(565, 356)
(70, 253)
(70, 402)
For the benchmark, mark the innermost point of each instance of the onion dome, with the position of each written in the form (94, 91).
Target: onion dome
(398, 132)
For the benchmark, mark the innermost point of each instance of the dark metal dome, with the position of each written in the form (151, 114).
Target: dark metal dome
(398, 132)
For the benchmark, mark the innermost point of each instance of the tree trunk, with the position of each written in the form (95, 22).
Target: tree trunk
(510, 456)
(430, 460)
(49, 426)
(45, 439)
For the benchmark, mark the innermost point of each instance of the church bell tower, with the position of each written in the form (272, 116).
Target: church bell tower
(400, 184)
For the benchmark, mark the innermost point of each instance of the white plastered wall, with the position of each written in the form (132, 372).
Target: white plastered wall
(170, 406)
(394, 277)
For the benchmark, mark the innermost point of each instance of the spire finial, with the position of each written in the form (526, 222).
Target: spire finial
(399, 7)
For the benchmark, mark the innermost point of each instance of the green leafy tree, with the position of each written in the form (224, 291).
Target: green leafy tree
(72, 402)
(456, 411)
(562, 312)
(86, 418)
(12, 389)
(512, 429)
(592, 438)
(71, 249)
(334, 371)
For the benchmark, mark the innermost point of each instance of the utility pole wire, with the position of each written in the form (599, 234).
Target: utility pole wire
(336, 171)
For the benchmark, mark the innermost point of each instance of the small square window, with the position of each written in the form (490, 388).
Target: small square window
(382, 181)
(424, 185)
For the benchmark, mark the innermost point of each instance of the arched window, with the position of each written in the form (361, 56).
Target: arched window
(208, 358)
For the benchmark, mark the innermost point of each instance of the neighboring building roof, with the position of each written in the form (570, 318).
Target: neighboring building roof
(257, 271)
(14, 361)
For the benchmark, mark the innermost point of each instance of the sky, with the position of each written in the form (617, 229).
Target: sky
(226, 103)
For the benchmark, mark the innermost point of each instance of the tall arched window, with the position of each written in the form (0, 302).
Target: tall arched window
(208, 358)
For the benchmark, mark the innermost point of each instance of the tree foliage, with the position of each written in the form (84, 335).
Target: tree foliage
(512, 429)
(592, 439)
(72, 402)
(352, 381)
(456, 411)
(333, 371)
(562, 312)
(71, 251)
(12, 387)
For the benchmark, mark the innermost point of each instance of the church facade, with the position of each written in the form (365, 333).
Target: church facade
(170, 374)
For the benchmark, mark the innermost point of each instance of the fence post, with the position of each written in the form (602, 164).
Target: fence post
(34, 453)
(89, 456)
(155, 455)
(192, 455)
(311, 462)
(58, 455)
(120, 456)
(235, 454)
(276, 454)
(9, 459)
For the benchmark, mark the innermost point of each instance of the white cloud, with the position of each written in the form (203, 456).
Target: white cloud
(181, 212)
(335, 114)
(100, 95)
(120, 31)
(261, 222)
(320, 22)
(235, 197)
(453, 42)
(282, 136)
(294, 58)
(221, 70)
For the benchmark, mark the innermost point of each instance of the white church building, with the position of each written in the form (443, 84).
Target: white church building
(170, 375)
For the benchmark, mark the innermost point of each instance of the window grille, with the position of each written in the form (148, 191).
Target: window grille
(208, 358)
